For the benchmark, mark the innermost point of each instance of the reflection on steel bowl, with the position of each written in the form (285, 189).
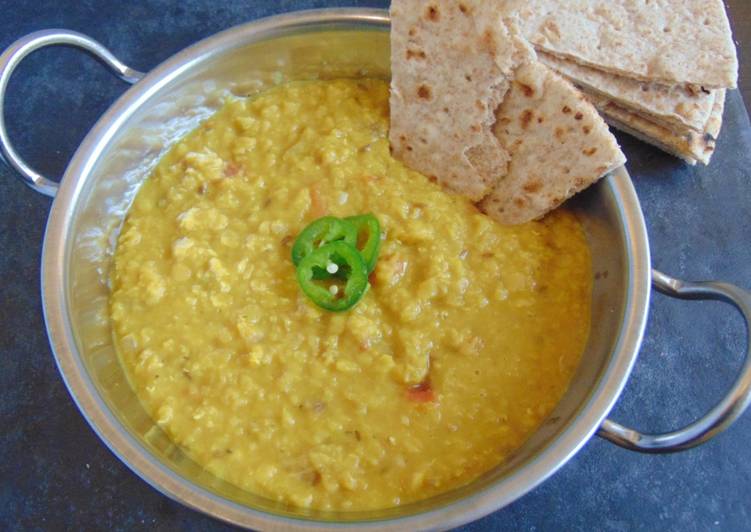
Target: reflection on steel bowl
(123, 149)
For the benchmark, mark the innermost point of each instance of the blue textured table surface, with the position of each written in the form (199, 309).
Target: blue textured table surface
(56, 474)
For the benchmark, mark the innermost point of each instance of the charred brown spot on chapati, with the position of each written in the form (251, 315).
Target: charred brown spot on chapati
(526, 118)
(527, 90)
(424, 92)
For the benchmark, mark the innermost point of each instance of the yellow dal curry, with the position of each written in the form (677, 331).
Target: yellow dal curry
(465, 341)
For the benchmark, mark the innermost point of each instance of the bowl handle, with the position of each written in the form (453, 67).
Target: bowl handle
(10, 59)
(727, 410)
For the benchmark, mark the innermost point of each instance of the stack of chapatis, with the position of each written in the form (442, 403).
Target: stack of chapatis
(473, 107)
(656, 69)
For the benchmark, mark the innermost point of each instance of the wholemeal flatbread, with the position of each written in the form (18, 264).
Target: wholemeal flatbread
(673, 42)
(691, 148)
(472, 106)
(679, 108)
(451, 62)
(558, 146)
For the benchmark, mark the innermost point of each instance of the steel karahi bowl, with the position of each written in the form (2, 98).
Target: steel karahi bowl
(161, 106)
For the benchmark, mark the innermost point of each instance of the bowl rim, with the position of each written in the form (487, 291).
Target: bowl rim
(128, 450)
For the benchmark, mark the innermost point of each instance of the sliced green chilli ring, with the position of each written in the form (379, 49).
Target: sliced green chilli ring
(368, 231)
(321, 232)
(338, 293)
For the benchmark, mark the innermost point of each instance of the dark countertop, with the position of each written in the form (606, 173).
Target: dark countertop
(56, 474)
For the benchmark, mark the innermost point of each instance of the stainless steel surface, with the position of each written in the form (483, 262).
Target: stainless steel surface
(119, 153)
(13, 56)
(727, 410)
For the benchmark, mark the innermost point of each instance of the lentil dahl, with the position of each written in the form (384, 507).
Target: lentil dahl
(465, 342)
